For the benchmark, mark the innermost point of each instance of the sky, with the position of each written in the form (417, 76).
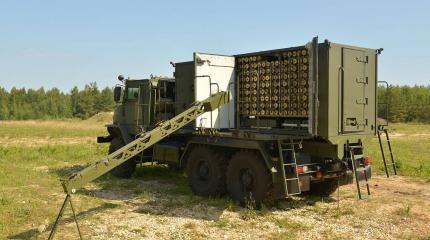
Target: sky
(71, 43)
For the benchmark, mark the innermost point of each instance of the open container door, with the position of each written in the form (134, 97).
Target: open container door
(214, 73)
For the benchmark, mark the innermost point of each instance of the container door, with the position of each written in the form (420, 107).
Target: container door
(354, 80)
(214, 73)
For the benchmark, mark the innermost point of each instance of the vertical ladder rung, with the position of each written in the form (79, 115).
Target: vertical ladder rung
(355, 170)
(289, 164)
(293, 163)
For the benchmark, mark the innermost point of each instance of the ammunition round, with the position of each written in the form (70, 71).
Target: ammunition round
(293, 68)
(304, 52)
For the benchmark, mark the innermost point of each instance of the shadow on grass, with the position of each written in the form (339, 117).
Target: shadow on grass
(34, 232)
(160, 190)
(67, 170)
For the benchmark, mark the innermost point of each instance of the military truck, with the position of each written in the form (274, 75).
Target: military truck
(295, 122)
(260, 125)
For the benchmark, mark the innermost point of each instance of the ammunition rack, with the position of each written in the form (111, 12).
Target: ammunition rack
(274, 84)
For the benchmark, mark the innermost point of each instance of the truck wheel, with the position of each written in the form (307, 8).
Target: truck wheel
(126, 169)
(206, 172)
(324, 188)
(248, 180)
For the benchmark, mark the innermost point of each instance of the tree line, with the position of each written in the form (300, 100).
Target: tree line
(23, 104)
(405, 103)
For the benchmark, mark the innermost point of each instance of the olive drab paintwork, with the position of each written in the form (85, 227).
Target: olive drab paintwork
(347, 93)
(144, 103)
(307, 107)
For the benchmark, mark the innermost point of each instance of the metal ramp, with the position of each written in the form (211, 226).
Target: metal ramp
(357, 169)
(289, 171)
(144, 140)
(381, 130)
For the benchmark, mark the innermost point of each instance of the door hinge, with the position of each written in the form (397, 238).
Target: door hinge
(362, 101)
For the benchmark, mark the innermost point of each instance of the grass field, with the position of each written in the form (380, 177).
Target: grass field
(411, 149)
(157, 203)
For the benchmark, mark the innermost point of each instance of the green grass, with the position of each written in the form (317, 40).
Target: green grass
(51, 129)
(411, 149)
(30, 193)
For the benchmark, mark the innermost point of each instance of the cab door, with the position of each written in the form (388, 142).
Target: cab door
(129, 107)
(354, 81)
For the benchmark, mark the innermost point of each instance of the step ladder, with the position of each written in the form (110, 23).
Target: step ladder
(381, 130)
(289, 171)
(357, 169)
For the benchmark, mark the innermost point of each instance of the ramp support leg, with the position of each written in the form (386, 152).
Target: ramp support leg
(60, 215)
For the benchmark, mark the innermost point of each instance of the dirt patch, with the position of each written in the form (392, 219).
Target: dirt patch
(399, 207)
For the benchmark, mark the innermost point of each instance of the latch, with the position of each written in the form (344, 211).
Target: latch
(355, 122)
(364, 80)
(362, 59)
(362, 101)
(351, 122)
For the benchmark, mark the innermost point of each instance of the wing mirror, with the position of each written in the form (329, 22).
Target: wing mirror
(117, 94)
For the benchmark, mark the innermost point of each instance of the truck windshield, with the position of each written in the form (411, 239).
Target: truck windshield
(132, 93)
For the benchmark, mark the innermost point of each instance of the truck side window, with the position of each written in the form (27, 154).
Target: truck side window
(132, 93)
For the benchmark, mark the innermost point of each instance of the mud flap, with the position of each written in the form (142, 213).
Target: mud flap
(347, 178)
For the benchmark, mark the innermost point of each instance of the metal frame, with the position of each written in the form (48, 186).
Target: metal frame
(312, 116)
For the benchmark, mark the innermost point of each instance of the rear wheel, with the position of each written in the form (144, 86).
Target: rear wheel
(248, 180)
(126, 169)
(324, 188)
(206, 171)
